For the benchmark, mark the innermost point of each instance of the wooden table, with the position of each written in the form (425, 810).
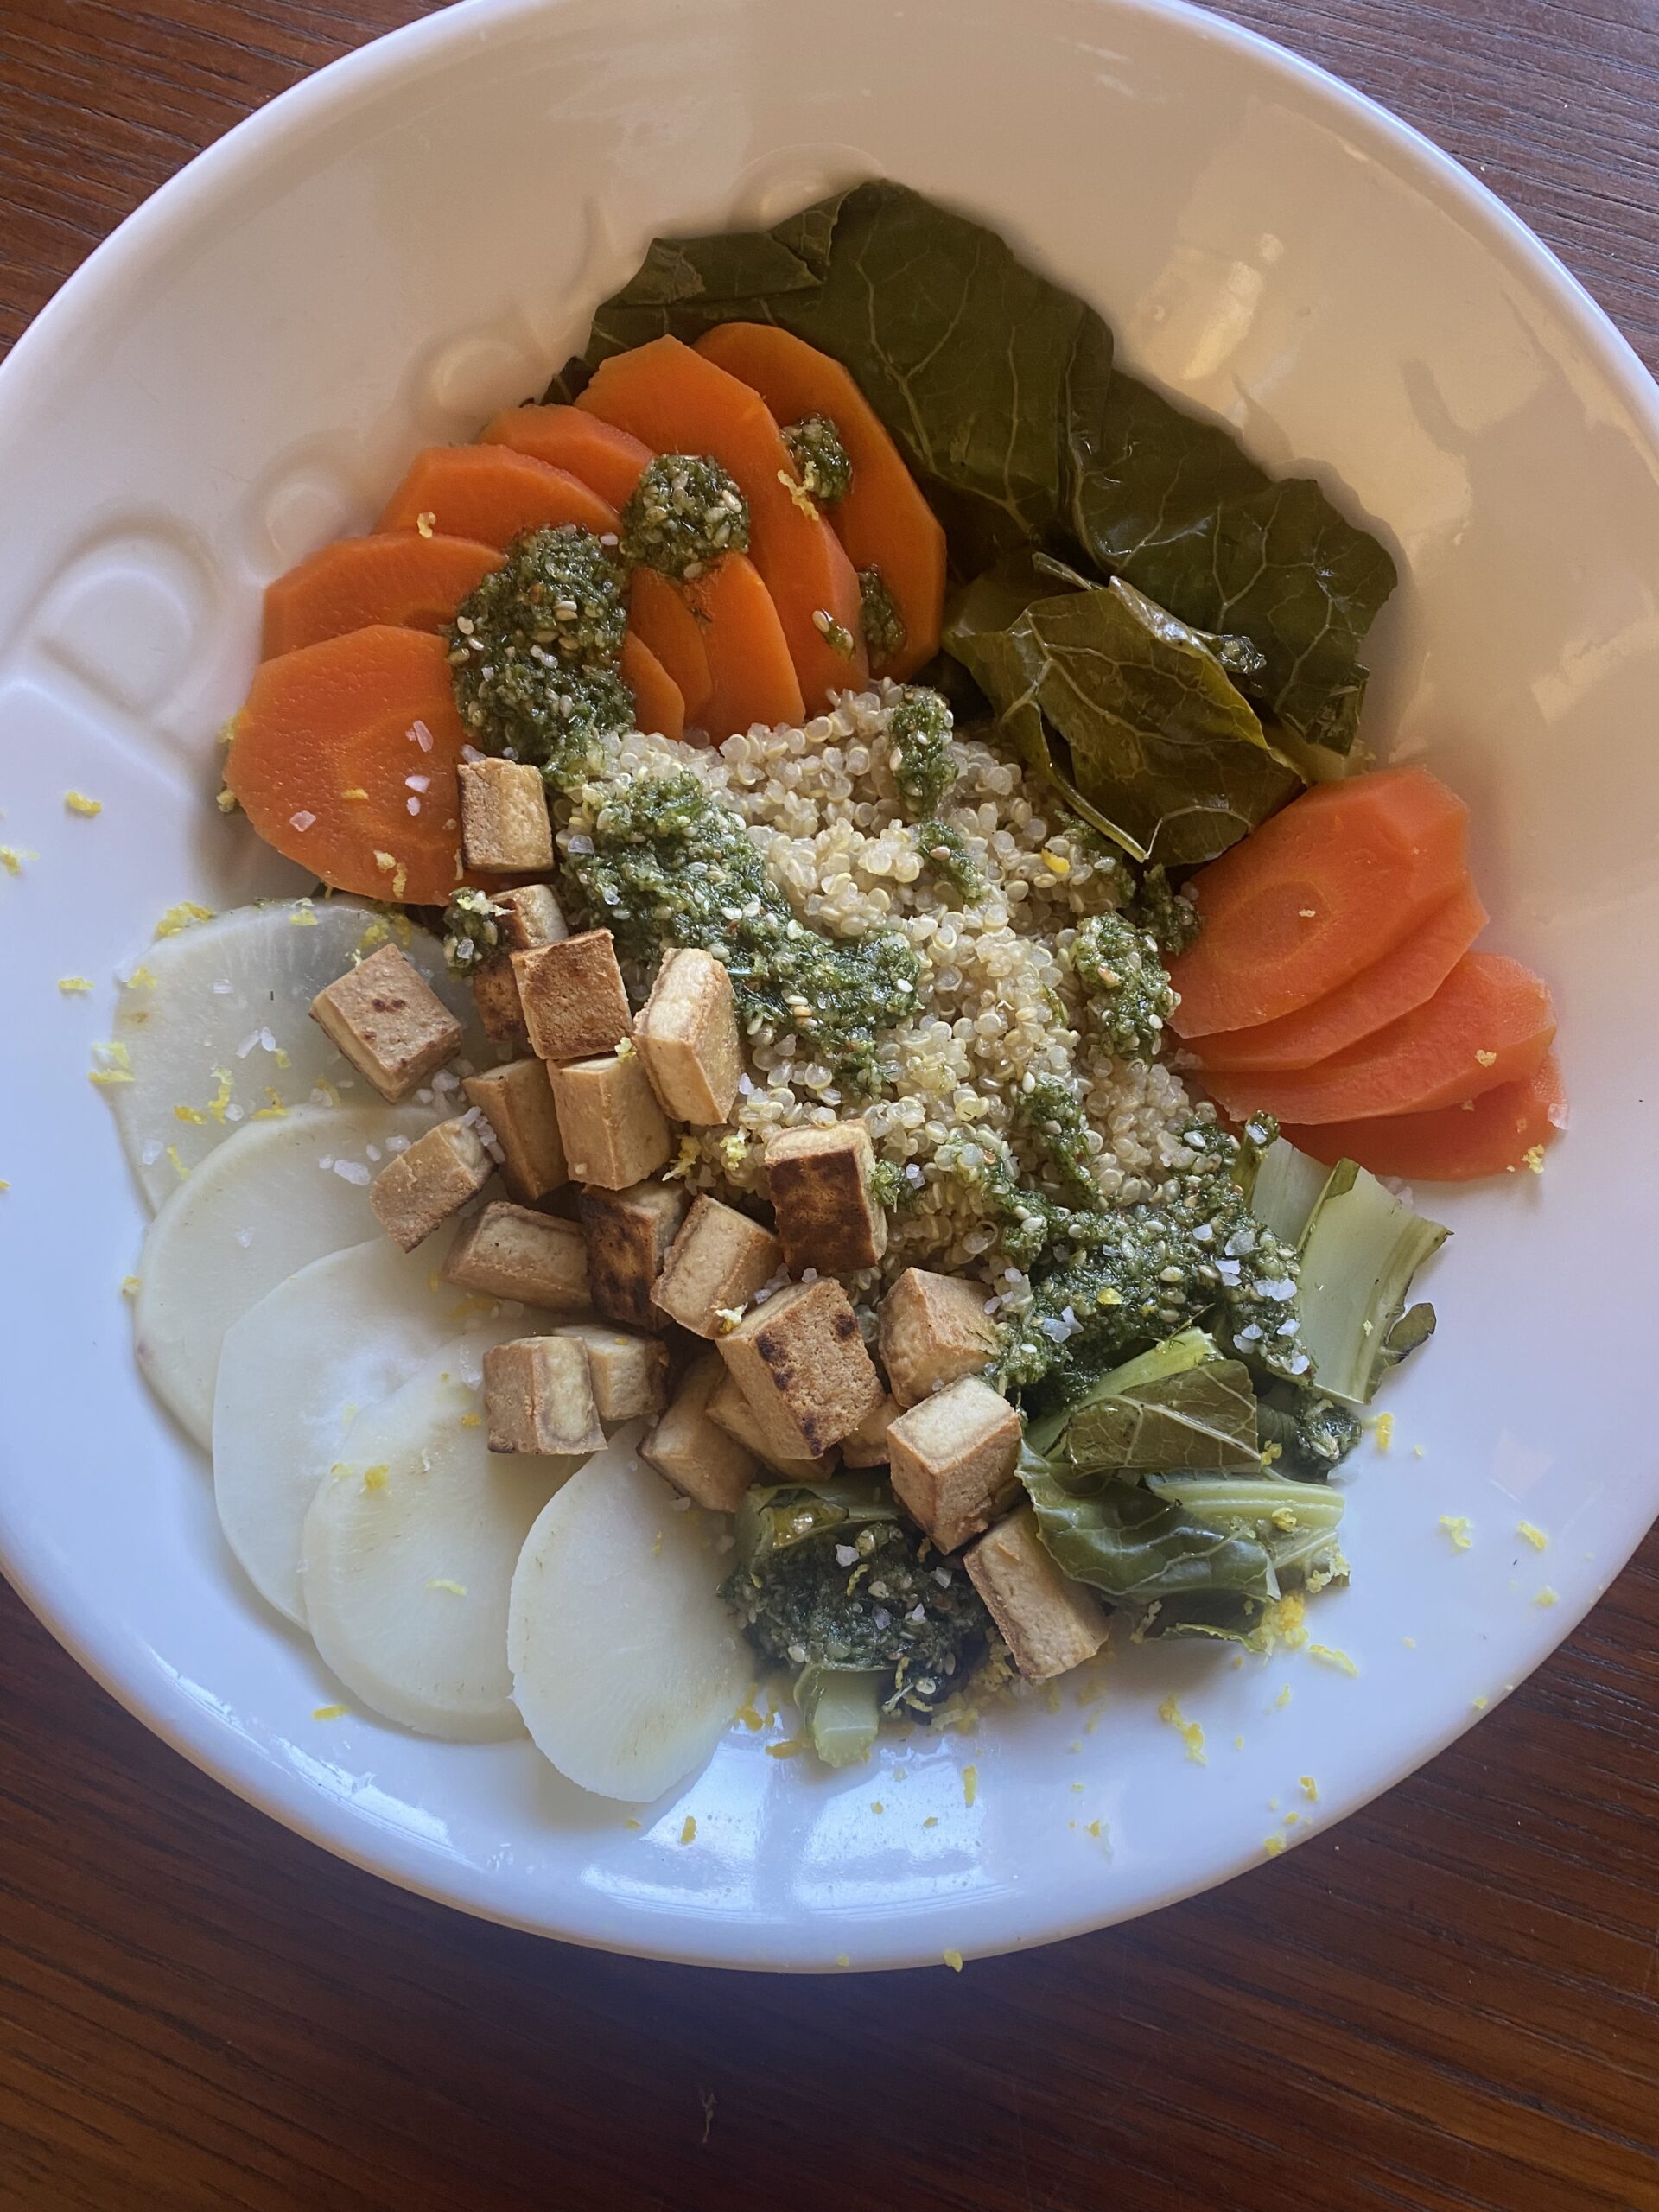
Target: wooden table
(1449, 2004)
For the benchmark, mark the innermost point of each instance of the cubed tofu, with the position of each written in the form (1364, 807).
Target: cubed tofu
(818, 1181)
(699, 1458)
(729, 1409)
(505, 829)
(687, 1036)
(866, 1445)
(953, 1458)
(629, 1233)
(537, 1398)
(416, 1191)
(388, 1021)
(508, 1251)
(517, 1101)
(628, 1374)
(495, 993)
(934, 1329)
(571, 992)
(714, 1266)
(612, 1127)
(1050, 1622)
(800, 1362)
(530, 916)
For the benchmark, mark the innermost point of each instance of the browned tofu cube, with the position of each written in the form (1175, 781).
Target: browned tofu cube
(510, 1252)
(517, 1101)
(495, 993)
(388, 1021)
(505, 827)
(628, 1374)
(800, 1362)
(571, 991)
(530, 916)
(866, 1445)
(697, 1457)
(953, 1458)
(715, 1265)
(629, 1233)
(611, 1126)
(537, 1398)
(687, 1035)
(818, 1181)
(933, 1329)
(1050, 1622)
(729, 1409)
(416, 1191)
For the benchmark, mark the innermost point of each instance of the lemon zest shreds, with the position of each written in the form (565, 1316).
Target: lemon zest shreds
(472, 1421)
(78, 802)
(130, 1286)
(376, 1477)
(13, 856)
(1460, 1528)
(191, 1114)
(450, 1589)
(141, 979)
(953, 1960)
(182, 917)
(843, 1959)
(969, 1784)
(689, 1828)
(747, 1714)
(1189, 1731)
(329, 1711)
(1309, 1788)
(221, 1097)
(791, 1748)
(1534, 1535)
(1272, 1845)
(179, 1167)
(1328, 1655)
(632, 1823)
(74, 987)
(1547, 1597)
(1384, 1430)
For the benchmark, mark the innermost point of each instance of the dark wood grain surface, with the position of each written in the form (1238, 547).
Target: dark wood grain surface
(1449, 2004)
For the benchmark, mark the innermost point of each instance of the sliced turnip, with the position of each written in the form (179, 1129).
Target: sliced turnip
(410, 1548)
(626, 1666)
(218, 1019)
(277, 1196)
(297, 1371)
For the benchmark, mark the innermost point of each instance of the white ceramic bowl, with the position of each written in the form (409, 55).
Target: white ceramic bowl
(409, 241)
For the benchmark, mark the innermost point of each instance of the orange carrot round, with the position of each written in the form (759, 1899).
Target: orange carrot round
(1499, 1133)
(659, 618)
(751, 673)
(1321, 890)
(883, 520)
(657, 704)
(1490, 1022)
(491, 493)
(605, 458)
(677, 402)
(415, 582)
(344, 758)
(1390, 987)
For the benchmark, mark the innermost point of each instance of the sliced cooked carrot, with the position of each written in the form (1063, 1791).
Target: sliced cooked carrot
(1319, 891)
(657, 703)
(751, 675)
(1490, 1022)
(321, 755)
(605, 458)
(1494, 1135)
(1390, 987)
(679, 403)
(883, 521)
(659, 618)
(415, 582)
(491, 493)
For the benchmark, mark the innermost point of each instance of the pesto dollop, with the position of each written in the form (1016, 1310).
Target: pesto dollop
(815, 448)
(918, 734)
(1125, 983)
(945, 851)
(1051, 1109)
(532, 651)
(1171, 921)
(885, 634)
(472, 931)
(683, 514)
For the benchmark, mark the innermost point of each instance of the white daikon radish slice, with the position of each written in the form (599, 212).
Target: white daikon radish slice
(216, 1024)
(279, 1195)
(297, 1371)
(410, 1548)
(627, 1665)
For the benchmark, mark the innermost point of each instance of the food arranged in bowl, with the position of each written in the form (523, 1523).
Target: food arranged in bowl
(840, 834)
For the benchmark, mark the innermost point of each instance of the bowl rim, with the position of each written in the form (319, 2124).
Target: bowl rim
(121, 260)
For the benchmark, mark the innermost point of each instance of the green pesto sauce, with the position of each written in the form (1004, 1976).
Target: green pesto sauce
(672, 865)
(472, 931)
(532, 651)
(922, 757)
(1171, 921)
(683, 514)
(1126, 983)
(1051, 1111)
(885, 634)
(815, 448)
(945, 851)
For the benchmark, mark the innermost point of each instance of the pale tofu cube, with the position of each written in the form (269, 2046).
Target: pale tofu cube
(714, 1266)
(574, 1006)
(953, 1458)
(628, 1374)
(388, 1021)
(729, 1409)
(612, 1127)
(629, 1233)
(508, 1251)
(495, 993)
(818, 1181)
(1049, 1622)
(934, 1329)
(866, 1445)
(699, 1458)
(517, 1101)
(687, 1036)
(800, 1362)
(416, 1191)
(537, 1398)
(505, 829)
(530, 916)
